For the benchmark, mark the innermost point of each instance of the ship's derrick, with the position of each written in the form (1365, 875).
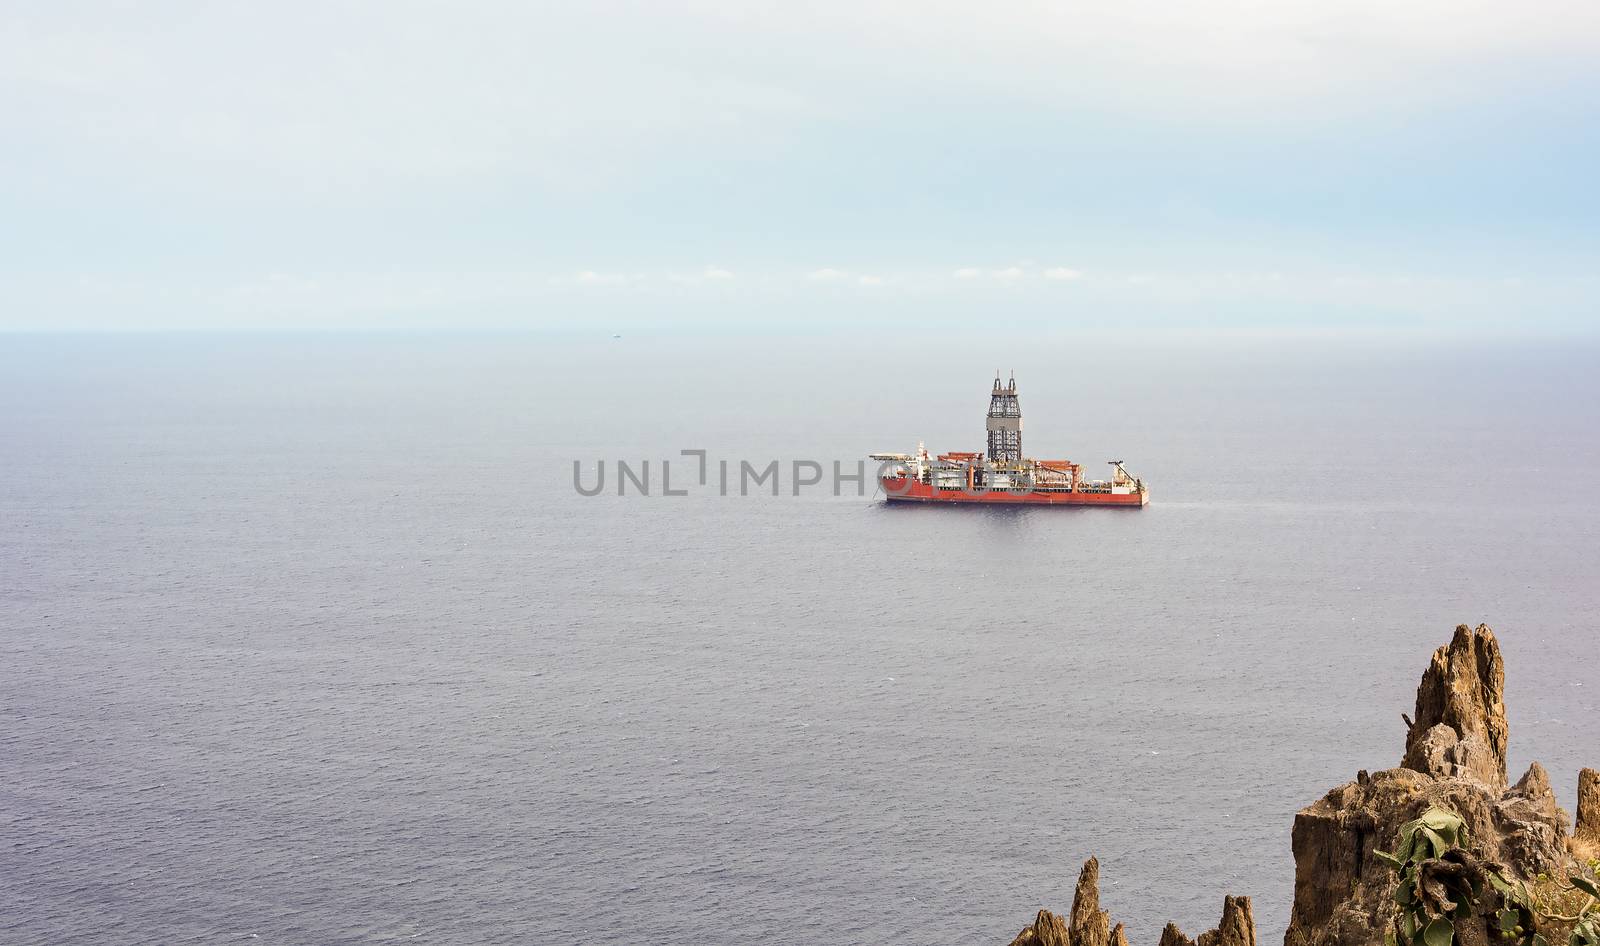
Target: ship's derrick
(1005, 423)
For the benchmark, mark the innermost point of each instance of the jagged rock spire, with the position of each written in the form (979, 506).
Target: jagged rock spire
(1238, 928)
(1460, 725)
(1047, 930)
(1089, 925)
(1586, 833)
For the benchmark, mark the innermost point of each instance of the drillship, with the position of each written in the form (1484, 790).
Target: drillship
(1004, 475)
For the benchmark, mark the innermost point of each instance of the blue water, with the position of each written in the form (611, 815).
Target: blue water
(309, 639)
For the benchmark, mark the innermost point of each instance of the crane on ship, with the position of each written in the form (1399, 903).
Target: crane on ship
(1125, 475)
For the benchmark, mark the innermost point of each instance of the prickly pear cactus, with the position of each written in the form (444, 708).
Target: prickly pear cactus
(1441, 883)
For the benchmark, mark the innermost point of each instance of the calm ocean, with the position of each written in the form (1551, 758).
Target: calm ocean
(310, 639)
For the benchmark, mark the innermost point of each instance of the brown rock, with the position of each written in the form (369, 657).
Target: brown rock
(1455, 758)
(1046, 930)
(1532, 827)
(1586, 835)
(1463, 691)
(1090, 925)
(1238, 926)
(1087, 925)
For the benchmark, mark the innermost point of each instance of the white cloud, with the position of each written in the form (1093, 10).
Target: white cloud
(390, 298)
(594, 277)
(871, 280)
(968, 272)
(1009, 273)
(1062, 273)
(709, 274)
(827, 274)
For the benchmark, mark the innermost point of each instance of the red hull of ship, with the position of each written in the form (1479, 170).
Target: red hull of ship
(903, 490)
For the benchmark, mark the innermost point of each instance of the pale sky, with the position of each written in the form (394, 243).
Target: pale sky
(1327, 166)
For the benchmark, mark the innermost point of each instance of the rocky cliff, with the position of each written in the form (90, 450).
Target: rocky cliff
(1455, 758)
